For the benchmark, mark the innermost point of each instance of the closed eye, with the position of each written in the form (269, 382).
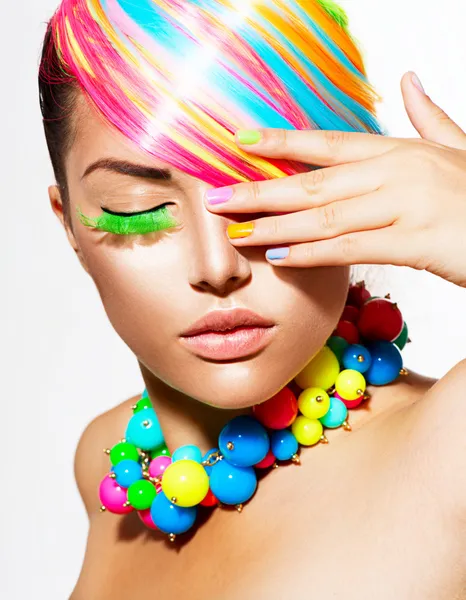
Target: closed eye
(134, 214)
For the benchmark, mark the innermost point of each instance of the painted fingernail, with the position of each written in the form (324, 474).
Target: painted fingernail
(277, 253)
(248, 136)
(240, 230)
(218, 195)
(417, 82)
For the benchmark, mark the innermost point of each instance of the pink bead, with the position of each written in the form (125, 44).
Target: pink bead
(267, 461)
(158, 465)
(350, 403)
(145, 517)
(113, 497)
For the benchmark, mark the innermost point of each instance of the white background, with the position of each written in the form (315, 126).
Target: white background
(62, 364)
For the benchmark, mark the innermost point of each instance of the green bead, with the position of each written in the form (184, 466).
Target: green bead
(402, 339)
(337, 345)
(123, 451)
(141, 494)
(142, 404)
(160, 451)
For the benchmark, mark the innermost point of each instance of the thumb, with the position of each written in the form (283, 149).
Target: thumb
(430, 121)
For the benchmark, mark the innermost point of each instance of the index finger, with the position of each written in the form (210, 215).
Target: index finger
(315, 147)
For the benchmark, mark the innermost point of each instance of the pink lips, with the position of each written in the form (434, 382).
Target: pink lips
(228, 335)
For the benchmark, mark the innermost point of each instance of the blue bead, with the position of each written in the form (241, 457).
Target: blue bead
(144, 430)
(127, 472)
(249, 438)
(386, 363)
(171, 518)
(336, 414)
(283, 444)
(206, 467)
(350, 358)
(188, 452)
(232, 485)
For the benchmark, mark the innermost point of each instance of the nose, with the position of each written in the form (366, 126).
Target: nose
(216, 266)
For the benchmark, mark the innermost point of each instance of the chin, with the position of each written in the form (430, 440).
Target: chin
(243, 384)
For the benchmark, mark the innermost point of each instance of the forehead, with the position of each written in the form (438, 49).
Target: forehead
(94, 138)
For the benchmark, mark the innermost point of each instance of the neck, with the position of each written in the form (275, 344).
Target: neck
(185, 420)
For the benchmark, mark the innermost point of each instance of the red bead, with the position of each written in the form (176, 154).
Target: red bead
(357, 295)
(350, 313)
(350, 403)
(267, 461)
(347, 331)
(209, 500)
(279, 411)
(380, 319)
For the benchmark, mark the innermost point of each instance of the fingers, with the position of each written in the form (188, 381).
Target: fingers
(317, 147)
(355, 214)
(380, 246)
(430, 121)
(298, 192)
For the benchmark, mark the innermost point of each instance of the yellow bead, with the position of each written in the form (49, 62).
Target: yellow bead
(314, 402)
(307, 431)
(320, 372)
(350, 384)
(187, 481)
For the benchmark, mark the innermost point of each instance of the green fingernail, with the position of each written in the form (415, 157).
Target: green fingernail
(248, 136)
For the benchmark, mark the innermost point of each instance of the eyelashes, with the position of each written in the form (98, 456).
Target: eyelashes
(140, 223)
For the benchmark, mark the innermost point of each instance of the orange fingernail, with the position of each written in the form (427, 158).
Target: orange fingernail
(240, 230)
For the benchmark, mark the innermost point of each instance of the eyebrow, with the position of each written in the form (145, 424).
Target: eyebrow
(127, 168)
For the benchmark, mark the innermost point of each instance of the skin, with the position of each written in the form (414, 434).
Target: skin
(377, 513)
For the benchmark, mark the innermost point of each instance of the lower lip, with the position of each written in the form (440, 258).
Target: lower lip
(229, 345)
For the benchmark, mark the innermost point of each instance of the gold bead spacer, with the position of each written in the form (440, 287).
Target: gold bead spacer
(360, 358)
(103, 508)
(331, 390)
(230, 446)
(346, 426)
(174, 499)
(112, 475)
(319, 398)
(134, 407)
(404, 371)
(146, 423)
(324, 439)
(123, 440)
(239, 508)
(171, 537)
(106, 450)
(275, 465)
(295, 459)
(126, 504)
(388, 297)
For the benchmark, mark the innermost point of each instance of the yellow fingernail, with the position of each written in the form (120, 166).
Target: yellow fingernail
(240, 230)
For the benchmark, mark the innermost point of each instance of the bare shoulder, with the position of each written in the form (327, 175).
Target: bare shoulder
(435, 426)
(91, 463)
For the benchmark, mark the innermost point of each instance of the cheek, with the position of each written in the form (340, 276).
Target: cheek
(138, 286)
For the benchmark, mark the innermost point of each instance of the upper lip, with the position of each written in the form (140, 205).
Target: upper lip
(223, 320)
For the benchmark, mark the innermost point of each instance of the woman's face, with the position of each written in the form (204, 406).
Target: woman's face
(154, 287)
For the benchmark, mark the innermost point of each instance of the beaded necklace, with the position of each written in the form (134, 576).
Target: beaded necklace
(166, 489)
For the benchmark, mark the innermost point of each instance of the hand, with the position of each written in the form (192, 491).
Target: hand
(378, 199)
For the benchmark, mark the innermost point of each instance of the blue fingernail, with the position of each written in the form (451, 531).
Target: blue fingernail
(277, 253)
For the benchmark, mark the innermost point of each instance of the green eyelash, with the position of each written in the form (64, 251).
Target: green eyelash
(151, 221)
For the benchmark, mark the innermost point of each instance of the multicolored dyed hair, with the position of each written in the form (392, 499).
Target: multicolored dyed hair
(179, 77)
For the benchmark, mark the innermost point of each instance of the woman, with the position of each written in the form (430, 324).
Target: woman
(141, 102)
